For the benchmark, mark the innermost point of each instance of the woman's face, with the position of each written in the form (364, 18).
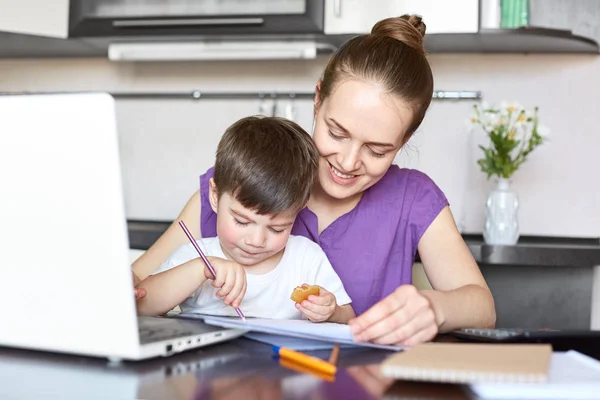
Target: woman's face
(358, 131)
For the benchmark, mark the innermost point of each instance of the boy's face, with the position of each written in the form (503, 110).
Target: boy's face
(246, 237)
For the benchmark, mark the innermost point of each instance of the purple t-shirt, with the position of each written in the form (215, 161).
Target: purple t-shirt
(372, 248)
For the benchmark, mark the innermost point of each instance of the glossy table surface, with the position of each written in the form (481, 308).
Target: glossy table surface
(239, 369)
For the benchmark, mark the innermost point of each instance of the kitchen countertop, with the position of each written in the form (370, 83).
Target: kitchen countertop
(531, 250)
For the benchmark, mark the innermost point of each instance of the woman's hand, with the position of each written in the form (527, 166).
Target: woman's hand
(318, 308)
(139, 293)
(404, 318)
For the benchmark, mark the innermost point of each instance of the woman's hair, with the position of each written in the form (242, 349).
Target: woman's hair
(391, 55)
(268, 164)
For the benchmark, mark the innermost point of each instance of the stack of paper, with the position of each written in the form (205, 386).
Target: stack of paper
(571, 375)
(301, 329)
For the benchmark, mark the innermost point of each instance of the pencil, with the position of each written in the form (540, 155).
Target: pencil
(284, 362)
(313, 363)
(210, 267)
(333, 358)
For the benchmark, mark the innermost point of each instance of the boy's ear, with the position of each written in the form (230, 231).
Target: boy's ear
(213, 195)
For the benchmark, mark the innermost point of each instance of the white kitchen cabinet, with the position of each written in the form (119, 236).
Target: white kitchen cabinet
(35, 17)
(359, 16)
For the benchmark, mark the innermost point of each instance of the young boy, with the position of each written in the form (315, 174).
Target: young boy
(264, 171)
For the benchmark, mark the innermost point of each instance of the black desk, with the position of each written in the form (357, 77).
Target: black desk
(240, 369)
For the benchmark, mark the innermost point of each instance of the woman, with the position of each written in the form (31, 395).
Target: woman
(368, 215)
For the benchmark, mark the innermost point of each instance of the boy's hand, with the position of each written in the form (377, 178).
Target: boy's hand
(318, 308)
(231, 279)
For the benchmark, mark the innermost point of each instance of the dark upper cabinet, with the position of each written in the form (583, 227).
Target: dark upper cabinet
(128, 18)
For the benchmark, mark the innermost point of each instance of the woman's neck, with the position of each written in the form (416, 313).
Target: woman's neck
(328, 208)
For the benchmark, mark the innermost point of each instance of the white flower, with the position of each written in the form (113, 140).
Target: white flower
(484, 106)
(520, 133)
(493, 119)
(543, 131)
(471, 123)
(512, 126)
(512, 107)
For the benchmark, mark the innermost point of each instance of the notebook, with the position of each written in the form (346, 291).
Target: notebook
(572, 376)
(470, 363)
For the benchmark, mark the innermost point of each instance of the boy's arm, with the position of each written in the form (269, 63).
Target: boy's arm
(325, 308)
(322, 273)
(170, 288)
(342, 314)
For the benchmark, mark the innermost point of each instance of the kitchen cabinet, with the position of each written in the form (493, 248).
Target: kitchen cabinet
(556, 26)
(580, 17)
(35, 17)
(38, 28)
(359, 16)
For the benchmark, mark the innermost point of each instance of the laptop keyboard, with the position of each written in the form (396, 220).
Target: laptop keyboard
(157, 329)
(149, 335)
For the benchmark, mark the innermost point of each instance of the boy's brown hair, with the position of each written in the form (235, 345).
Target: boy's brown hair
(268, 164)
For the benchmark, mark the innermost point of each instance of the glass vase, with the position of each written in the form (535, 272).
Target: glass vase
(501, 215)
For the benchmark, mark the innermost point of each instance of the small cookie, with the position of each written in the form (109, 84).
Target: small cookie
(301, 293)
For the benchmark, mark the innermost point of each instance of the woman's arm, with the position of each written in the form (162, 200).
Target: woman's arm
(461, 298)
(170, 240)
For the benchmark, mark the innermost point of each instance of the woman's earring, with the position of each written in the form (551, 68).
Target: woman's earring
(263, 108)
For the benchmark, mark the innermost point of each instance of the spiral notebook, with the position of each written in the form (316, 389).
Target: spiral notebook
(471, 363)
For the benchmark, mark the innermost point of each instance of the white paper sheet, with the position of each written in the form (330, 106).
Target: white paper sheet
(572, 376)
(293, 343)
(324, 331)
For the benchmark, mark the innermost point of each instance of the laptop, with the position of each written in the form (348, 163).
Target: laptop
(65, 278)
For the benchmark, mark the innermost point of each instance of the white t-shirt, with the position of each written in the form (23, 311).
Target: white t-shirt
(267, 295)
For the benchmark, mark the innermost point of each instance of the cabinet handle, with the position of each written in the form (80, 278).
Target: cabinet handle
(337, 8)
(159, 23)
